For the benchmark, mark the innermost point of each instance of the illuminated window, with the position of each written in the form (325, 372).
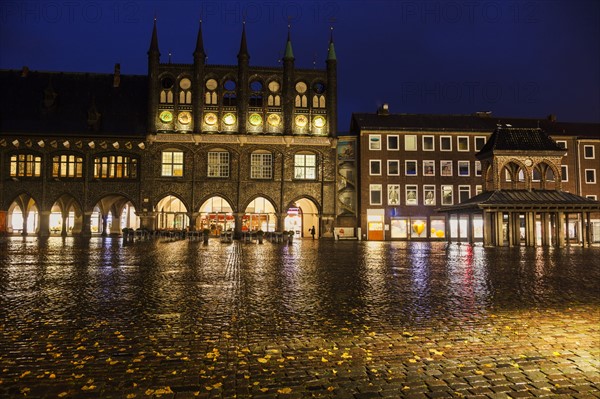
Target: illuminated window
(375, 142)
(447, 195)
(115, 167)
(305, 166)
(172, 163)
(185, 93)
(478, 189)
(25, 165)
(428, 168)
(446, 168)
(301, 100)
(412, 195)
(218, 164)
(274, 99)
(318, 98)
(477, 168)
(261, 165)
(393, 194)
(410, 142)
(210, 97)
(429, 195)
(67, 166)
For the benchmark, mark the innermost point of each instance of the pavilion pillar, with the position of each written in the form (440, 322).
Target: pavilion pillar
(567, 237)
(470, 229)
(560, 227)
(447, 227)
(545, 229)
(585, 223)
(487, 226)
(511, 229)
(499, 229)
(530, 229)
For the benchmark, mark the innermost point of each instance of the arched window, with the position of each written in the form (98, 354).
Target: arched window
(274, 99)
(301, 100)
(210, 97)
(67, 165)
(185, 92)
(319, 96)
(25, 165)
(256, 94)
(230, 97)
(166, 93)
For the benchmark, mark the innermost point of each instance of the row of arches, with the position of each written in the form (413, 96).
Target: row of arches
(515, 175)
(113, 213)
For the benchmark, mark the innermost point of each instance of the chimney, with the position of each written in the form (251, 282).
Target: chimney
(117, 76)
(383, 110)
(552, 118)
(25, 71)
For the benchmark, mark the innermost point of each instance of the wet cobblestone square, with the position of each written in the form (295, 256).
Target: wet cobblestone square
(321, 319)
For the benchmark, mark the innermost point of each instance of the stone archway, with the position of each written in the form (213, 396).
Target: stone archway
(302, 215)
(23, 215)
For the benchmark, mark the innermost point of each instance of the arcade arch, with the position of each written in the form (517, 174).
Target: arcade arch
(301, 216)
(171, 214)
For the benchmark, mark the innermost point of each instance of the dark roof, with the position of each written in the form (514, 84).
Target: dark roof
(23, 108)
(521, 198)
(479, 122)
(520, 139)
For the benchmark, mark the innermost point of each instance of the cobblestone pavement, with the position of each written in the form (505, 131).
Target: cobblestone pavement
(319, 319)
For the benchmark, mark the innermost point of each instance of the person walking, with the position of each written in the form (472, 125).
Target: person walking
(312, 232)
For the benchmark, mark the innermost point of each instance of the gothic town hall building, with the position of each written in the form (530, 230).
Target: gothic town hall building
(187, 147)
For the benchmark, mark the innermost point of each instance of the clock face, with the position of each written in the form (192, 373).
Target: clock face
(210, 118)
(229, 119)
(255, 120)
(185, 83)
(319, 121)
(274, 120)
(166, 116)
(184, 117)
(301, 120)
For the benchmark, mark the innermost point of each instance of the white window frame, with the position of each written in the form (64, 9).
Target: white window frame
(585, 147)
(303, 171)
(461, 189)
(475, 142)
(478, 189)
(585, 174)
(406, 167)
(426, 189)
(451, 194)
(564, 168)
(410, 188)
(592, 197)
(374, 162)
(458, 139)
(406, 147)
(396, 189)
(375, 145)
(260, 169)
(397, 162)
(477, 170)
(468, 163)
(389, 148)
(172, 165)
(449, 139)
(428, 162)
(432, 143)
(373, 188)
(442, 167)
(563, 142)
(220, 167)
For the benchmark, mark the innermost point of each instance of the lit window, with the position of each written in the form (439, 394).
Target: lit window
(446, 143)
(218, 164)
(393, 194)
(428, 168)
(305, 166)
(261, 165)
(115, 167)
(447, 195)
(172, 163)
(588, 152)
(393, 168)
(590, 176)
(67, 166)
(446, 168)
(375, 142)
(464, 193)
(410, 168)
(375, 194)
(478, 189)
(392, 143)
(463, 143)
(429, 195)
(463, 168)
(412, 196)
(428, 143)
(477, 168)
(479, 143)
(25, 165)
(375, 167)
(410, 142)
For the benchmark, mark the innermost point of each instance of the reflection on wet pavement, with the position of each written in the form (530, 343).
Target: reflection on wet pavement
(312, 319)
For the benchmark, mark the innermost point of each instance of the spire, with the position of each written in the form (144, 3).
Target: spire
(154, 40)
(243, 44)
(289, 53)
(199, 51)
(331, 54)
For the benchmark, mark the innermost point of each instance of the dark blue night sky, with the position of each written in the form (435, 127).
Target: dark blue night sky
(514, 58)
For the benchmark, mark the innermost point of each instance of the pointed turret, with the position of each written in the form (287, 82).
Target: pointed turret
(154, 41)
(287, 91)
(198, 86)
(243, 44)
(153, 84)
(243, 83)
(289, 53)
(331, 98)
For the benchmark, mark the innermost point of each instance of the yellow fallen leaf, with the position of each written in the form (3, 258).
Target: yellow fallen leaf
(262, 360)
(263, 389)
(324, 360)
(284, 390)
(556, 353)
(330, 389)
(52, 376)
(345, 355)
(25, 373)
(131, 396)
(62, 394)
(479, 372)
